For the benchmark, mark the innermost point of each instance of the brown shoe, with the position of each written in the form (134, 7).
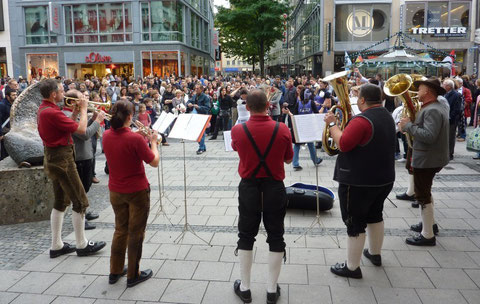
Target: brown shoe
(460, 139)
(165, 144)
(95, 180)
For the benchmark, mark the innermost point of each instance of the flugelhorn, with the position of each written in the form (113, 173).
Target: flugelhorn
(401, 86)
(342, 111)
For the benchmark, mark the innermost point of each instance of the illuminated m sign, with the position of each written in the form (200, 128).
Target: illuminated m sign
(360, 23)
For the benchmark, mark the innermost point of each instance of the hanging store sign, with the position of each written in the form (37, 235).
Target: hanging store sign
(284, 33)
(360, 23)
(54, 21)
(453, 31)
(97, 58)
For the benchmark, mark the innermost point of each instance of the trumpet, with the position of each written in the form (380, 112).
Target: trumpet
(71, 102)
(343, 112)
(93, 106)
(401, 86)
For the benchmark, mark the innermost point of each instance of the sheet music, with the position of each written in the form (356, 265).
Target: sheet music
(196, 126)
(227, 139)
(160, 119)
(166, 123)
(308, 127)
(180, 126)
(189, 126)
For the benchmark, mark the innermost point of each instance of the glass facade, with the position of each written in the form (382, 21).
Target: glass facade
(162, 21)
(98, 23)
(36, 26)
(306, 42)
(362, 22)
(438, 14)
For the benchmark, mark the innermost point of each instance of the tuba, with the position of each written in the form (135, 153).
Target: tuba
(401, 86)
(343, 111)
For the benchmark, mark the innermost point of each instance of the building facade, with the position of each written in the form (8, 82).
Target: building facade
(132, 38)
(321, 31)
(6, 67)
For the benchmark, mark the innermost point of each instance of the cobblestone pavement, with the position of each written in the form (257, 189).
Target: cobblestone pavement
(193, 272)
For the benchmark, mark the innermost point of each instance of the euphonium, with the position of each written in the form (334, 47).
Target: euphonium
(343, 111)
(401, 86)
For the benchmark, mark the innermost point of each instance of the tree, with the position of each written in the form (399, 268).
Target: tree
(250, 28)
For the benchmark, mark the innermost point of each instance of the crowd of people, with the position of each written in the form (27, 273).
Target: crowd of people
(247, 105)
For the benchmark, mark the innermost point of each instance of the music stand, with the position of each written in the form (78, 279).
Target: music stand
(188, 127)
(186, 226)
(317, 219)
(161, 190)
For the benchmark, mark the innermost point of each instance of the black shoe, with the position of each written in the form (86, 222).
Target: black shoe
(113, 278)
(343, 271)
(319, 161)
(91, 216)
(272, 297)
(418, 228)
(415, 204)
(212, 138)
(67, 248)
(376, 259)
(89, 226)
(476, 157)
(406, 197)
(245, 296)
(144, 275)
(299, 168)
(200, 152)
(91, 248)
(420, 240)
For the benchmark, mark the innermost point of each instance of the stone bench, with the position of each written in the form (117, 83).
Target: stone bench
(26, 194)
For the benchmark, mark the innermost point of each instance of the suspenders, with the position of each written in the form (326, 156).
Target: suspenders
(262, 157)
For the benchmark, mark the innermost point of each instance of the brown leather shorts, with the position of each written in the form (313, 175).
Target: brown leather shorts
(59, 165)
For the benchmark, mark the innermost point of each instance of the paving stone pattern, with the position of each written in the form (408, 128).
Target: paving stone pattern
(191, 271)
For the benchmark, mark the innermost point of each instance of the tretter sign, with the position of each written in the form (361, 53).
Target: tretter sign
(453, 31)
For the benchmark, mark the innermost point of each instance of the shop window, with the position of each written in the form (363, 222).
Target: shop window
(438, 14)
(162, 21)
(160, 64)
(42, 65)
(36, 26)
(98, 23)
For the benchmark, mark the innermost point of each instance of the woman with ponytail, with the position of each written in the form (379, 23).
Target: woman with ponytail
(129, 191)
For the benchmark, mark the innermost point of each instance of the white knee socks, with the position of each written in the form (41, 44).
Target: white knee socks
(427, 221)
(246, 260)
(375, 233)
(56, 222)
(78, 221)
(411, 187)
(354, 250)
(274, 267)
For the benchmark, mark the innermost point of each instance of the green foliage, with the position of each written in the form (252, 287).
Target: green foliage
(250, 28)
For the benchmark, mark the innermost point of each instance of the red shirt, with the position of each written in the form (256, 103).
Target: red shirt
(357, 132)
(54, 127)
(125, 152)
(261, 128)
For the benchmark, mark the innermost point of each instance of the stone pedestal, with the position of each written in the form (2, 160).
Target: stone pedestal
(26, 195)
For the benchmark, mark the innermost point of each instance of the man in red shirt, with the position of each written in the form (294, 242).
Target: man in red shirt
(56, 129)
(365, 171)
(263, 146)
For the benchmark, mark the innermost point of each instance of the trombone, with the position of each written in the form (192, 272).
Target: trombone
(93, 106)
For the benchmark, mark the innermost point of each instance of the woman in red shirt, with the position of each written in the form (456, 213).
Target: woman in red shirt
(129, 191)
